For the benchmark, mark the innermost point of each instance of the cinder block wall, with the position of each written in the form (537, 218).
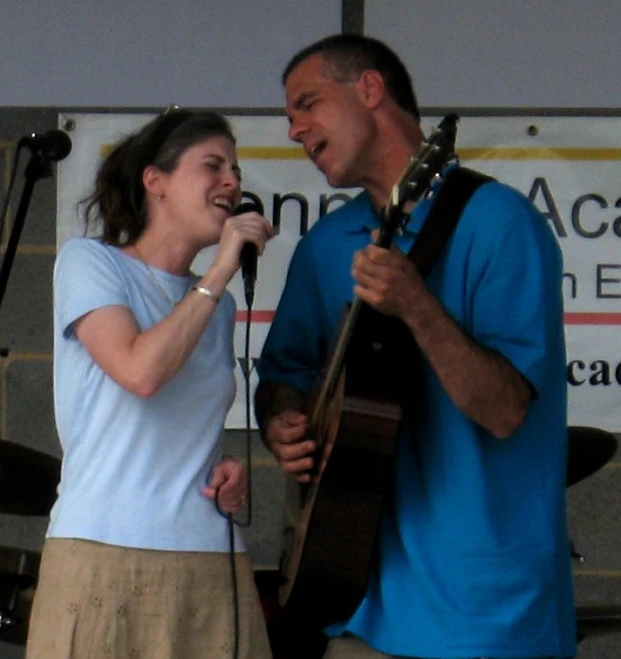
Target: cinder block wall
(26, 411)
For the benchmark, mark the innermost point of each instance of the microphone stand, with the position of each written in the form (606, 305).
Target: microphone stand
(38, 167)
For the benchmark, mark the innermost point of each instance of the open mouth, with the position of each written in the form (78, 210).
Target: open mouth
(224, 203)
(317, 149)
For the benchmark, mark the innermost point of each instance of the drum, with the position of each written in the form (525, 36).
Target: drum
(19, 572)
(589, 449)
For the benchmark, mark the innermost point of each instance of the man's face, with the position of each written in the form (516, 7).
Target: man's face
(330, 120)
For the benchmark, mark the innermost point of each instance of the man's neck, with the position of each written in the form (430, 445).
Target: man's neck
(399, 140)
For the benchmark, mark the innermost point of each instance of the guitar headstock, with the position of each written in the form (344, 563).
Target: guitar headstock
(434, 154)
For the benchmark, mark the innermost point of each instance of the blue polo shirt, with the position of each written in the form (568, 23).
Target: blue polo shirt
(473, 554)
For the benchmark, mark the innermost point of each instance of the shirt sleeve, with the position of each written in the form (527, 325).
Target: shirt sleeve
(296, 346)
(85, 279)
(517, 306)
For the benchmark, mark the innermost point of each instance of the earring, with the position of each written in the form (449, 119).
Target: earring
(160, 197)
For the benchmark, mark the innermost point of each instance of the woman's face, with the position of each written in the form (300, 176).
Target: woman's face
(203, 190)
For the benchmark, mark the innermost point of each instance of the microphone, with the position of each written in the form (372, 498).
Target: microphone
(248, 257)
(53, 145)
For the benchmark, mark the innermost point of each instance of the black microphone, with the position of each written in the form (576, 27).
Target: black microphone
(248, 257)
(53, 145)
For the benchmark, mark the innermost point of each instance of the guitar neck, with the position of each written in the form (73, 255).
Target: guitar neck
(391, 218)
(337, 359)
(413, 184)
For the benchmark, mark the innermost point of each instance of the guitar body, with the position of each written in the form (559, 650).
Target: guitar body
(331, 525)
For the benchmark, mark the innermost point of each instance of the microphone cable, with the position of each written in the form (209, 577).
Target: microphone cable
(245, 364)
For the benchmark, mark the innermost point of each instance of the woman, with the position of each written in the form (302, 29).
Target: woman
(135, 561)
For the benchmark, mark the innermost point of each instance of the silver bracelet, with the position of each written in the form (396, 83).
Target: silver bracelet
(206, 292)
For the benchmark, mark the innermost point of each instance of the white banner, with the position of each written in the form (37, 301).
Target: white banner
(569, 166)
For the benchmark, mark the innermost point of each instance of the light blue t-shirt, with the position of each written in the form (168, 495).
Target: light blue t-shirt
(473, 550)
(133, 468)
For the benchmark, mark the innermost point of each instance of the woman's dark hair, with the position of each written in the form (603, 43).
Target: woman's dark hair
(347, 56)
(118, 198)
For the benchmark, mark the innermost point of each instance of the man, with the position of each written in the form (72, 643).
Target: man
(473, 555)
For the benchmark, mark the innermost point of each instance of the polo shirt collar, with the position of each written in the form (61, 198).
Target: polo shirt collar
(364, 218)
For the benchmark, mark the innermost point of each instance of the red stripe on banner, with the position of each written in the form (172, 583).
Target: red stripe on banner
(255, 316)
(593, 319)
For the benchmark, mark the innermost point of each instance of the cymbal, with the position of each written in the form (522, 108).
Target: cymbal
(589, 449)
(28, 480)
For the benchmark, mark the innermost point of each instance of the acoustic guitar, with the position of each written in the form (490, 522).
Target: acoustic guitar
(331, 524)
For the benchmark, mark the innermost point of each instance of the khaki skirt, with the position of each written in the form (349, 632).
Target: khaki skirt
(97, 601)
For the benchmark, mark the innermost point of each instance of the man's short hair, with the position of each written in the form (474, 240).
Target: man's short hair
(348, 55)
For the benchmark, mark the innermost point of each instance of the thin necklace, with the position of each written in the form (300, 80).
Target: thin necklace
(156, 282)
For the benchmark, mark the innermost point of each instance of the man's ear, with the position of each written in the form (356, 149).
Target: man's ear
(371, 87)
(153, 181)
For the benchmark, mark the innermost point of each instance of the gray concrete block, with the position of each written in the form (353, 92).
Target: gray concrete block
(30, 405)
(27, 315)
(39, 225)
(600, 647)
(594, 588)
(594, 517)
(599, 589)
(22, 532)
(264, 535)
(40, 222)
(235, 444)
(10, 651)
(17, 122)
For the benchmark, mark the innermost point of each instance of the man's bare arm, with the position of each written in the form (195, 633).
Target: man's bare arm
(482, 383)
(272, 398)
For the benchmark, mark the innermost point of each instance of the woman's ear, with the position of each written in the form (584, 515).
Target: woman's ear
(153, 181)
